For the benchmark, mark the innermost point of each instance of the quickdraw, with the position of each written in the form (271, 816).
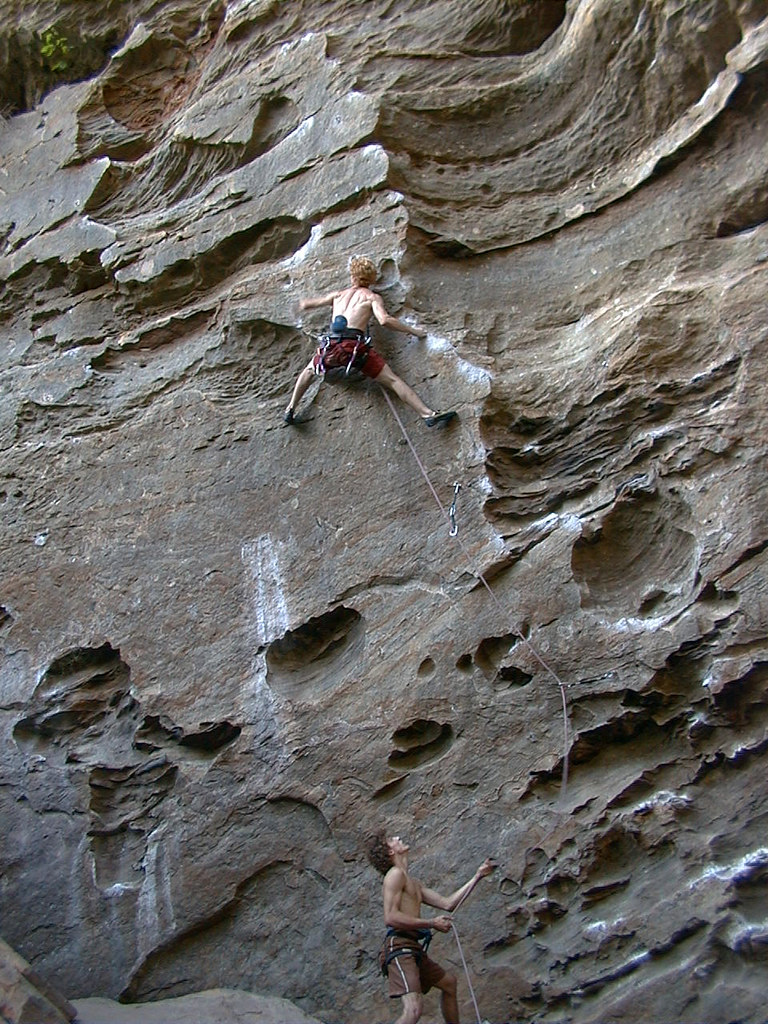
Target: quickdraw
(452, 510)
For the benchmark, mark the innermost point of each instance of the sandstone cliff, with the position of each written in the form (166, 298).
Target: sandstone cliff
(230, 647)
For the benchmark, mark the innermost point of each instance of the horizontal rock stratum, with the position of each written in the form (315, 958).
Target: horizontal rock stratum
(229, 648)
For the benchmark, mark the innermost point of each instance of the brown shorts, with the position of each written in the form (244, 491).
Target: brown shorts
(411, 971)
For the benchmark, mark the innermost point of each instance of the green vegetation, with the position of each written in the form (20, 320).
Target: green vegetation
(54, 49)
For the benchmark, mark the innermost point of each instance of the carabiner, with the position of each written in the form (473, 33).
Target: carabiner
(452, 510)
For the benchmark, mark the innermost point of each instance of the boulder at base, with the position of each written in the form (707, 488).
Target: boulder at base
(216, 1006)
(25, 998)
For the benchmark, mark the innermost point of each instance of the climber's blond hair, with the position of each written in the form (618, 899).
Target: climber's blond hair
(362, 271)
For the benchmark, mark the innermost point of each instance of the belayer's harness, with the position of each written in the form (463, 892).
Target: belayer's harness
(342, 347)
(422, 936)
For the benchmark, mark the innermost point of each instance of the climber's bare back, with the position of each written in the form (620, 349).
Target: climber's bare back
(356, 304)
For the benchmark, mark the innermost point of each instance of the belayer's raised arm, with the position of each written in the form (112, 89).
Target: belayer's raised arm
(403, 958)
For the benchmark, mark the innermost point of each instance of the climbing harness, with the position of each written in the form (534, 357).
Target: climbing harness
(526, 640)
(422, 936)
(452, 510)
(342, 347)
(420, 941)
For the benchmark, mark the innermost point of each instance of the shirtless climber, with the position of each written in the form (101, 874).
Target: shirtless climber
(352, 308)
(404, 954)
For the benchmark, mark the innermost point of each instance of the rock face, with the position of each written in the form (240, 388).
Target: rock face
(230, 648)
(218, 1006)
(25, 998)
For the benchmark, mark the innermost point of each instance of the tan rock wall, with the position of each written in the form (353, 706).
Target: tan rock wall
(229, 648)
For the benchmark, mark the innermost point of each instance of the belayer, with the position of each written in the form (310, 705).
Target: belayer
(403, 957)
(348, 346)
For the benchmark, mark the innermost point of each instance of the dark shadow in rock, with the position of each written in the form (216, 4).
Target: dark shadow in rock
(391, 788)
(177, 329)
(148, 82)
(318, 638)
(751, 207)
(639, 561)
(6, 619)
(268, 240)
(617, 731)
(749, 214)
(450, 248)
(676, 686)
(278, 116)
(257, 909)
(501, 28)
(643, 786)
(211, 736)
(420, 743)
(596, 893)
(157, 732)
(744, 700)
(82, 696)
(317, 652)
(510, 677)
(492, 650)
(37, 61)
(124, 806)
(751, 552)
(492, 657)
(599, 754)
(272, 239)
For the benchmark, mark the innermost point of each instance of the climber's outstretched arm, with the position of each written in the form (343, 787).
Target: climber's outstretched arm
(384, 318)
(316, 303)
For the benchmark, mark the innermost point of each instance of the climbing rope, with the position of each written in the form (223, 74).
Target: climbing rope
(461, 954)
(451, 514)
(415, 454)
(466, 971)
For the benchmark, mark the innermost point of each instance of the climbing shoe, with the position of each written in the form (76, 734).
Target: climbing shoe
(438, 418)
(288, 416)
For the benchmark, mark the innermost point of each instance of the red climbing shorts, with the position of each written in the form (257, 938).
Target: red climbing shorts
(373, 365)
(411, 971)
(339, 353)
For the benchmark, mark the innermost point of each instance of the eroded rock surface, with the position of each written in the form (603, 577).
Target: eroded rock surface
(26, 998)
(217, 1006)
(230, 648)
